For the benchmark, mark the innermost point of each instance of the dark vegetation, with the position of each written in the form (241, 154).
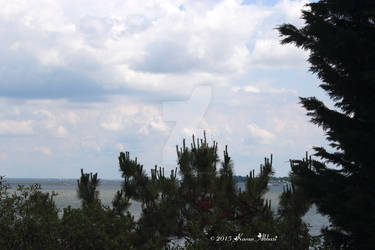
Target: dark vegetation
(200, 209)
(204, 205)
(340, 36)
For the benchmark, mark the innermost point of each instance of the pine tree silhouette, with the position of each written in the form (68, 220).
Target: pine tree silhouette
(204, 203)
(87, 188)
(340, 36)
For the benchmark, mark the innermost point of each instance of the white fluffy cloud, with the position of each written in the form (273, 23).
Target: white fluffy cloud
(81, 80)
(43, 150)
(16, 127)
(147, 46)
(264, 136)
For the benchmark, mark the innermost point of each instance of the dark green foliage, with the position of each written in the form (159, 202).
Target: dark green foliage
(28, 218)
(340, 36)
(205, 205)
(293, 205)
(87, 188)
(94, 227)
(204, 208)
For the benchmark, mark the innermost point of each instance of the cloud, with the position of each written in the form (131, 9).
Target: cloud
(43, 150)
(260, 134)
(166, 57)
(120, 147)
(29, 82)
(291, 10)
(251, 89)
(84, 83)
(54, 51)
(112, 125)
(13, 127)
(269, 53)
(263, 88)
(61, 132)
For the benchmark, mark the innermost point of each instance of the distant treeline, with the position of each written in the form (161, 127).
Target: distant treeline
(238, 178)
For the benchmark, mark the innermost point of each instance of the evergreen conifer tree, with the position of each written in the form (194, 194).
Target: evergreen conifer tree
(204, 207)
(340, 36)
(87, 188)
(94, 225)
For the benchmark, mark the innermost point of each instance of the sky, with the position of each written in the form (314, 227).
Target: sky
(82, 81)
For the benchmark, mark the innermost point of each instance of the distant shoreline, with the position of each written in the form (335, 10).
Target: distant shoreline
(273, 180)
(29, 181)
(236, 178)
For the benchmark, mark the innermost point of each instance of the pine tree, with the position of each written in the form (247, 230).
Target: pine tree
(204, 204)
(87, 188)
(94, 225)
(340, 36)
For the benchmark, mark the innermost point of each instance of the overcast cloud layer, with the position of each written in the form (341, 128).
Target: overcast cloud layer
(81, 81)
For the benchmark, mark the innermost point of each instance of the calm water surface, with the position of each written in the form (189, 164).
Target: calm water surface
(67, 195)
